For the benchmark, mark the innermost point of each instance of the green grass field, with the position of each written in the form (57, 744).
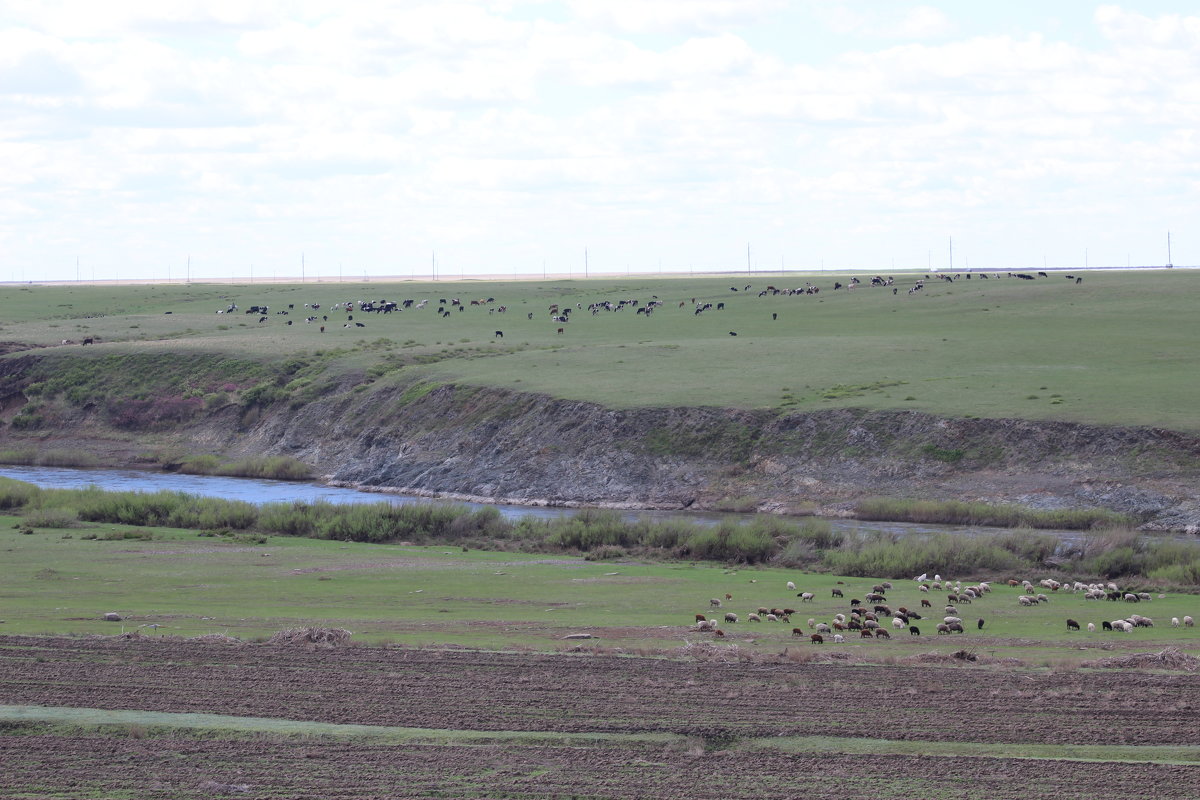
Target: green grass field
(1116, 349)
(191, 585)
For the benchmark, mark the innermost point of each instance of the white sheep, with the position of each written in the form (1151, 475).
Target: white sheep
(1174, 622)
(924, 588)
(1026, 600)
(772, 618)
(838, 638)
(898, 624)
(1187, 622)
(715, 603)
(1091, 627)
(807, 596)
(754, 618)
(948, 620)
(791, 586)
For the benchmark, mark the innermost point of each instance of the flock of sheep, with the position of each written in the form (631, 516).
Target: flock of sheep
(870, 617)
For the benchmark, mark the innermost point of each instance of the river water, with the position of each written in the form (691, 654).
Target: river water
(258, 491)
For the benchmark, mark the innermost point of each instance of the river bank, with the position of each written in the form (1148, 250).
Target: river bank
(489, 445)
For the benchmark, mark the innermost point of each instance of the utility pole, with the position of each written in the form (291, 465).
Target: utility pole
(1169, 265)
(585, 262)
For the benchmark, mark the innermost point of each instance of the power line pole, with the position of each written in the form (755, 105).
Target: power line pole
(585, 262)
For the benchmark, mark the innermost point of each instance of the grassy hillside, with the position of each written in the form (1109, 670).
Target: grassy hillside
(1117, 349)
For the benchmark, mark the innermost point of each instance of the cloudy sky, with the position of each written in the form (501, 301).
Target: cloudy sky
(511, 135)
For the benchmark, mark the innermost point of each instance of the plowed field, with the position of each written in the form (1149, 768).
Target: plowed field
(169, 768)
(715, 705)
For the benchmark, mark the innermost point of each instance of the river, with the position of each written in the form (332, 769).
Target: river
(258, 491)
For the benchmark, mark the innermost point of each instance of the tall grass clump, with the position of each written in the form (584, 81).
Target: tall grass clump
(381, 522)
(25, 457)
(953, 512)
(29, 457)
(886, 557)
(280, 468)
(17, 494)
(52, 518)
(748, 544)
(807, 544)
(170, 509)
(1124, 553)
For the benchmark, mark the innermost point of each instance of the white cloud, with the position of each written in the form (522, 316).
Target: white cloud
(505, 128)
(671, 16)
(911, 22)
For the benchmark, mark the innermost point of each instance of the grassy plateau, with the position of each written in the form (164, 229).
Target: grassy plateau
(1117, 348)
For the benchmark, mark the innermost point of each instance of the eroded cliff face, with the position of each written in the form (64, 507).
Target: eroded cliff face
(496, 445)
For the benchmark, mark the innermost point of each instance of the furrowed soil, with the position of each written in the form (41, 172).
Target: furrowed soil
(187, 768)
(714, 706)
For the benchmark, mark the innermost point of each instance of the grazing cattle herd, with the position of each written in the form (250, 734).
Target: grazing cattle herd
(560, 314)
(870, 616)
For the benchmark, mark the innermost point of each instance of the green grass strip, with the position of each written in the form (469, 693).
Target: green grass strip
(78, 718)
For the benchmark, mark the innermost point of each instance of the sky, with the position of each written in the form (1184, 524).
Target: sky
(516, 137)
